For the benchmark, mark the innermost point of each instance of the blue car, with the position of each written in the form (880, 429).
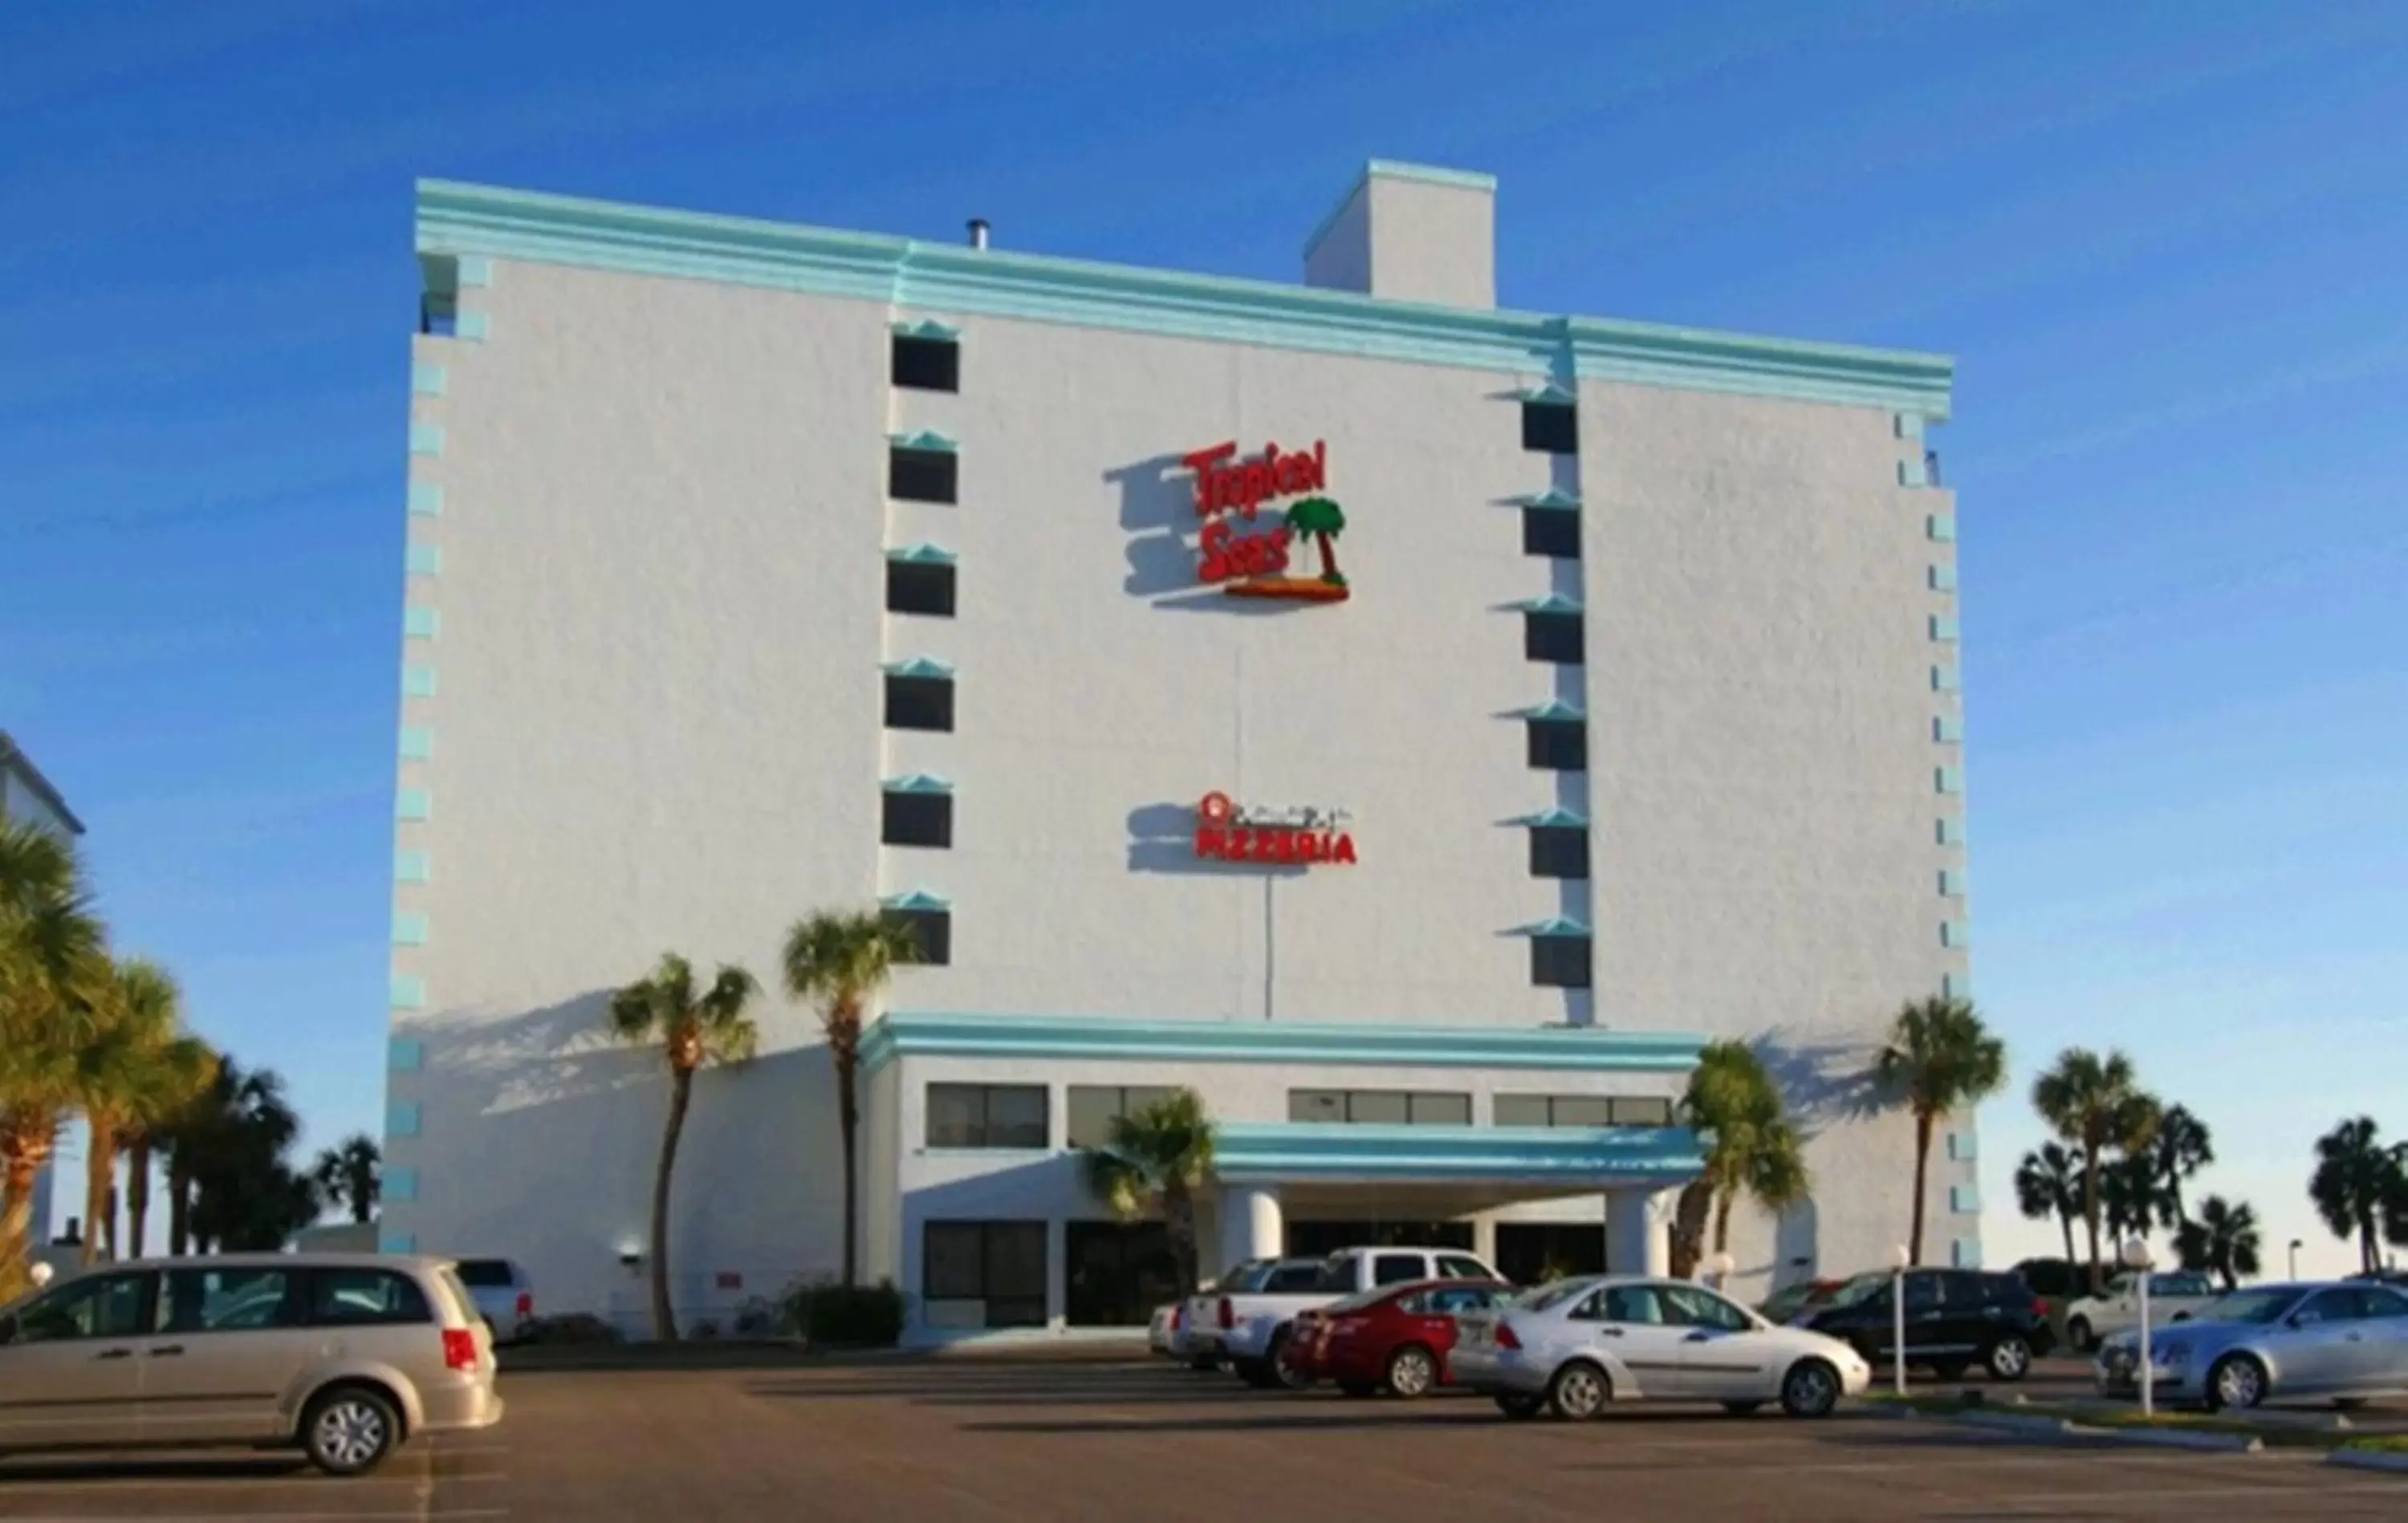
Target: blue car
(2344, 1341)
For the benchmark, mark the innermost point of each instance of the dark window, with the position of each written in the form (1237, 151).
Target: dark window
(1093, 1108)
(1397, 1268)
(1642, 1111)
(1454, 1267)
(987, 1115)
(111, 1306)
(1002, 1263)
(932, 933)
(1638, 1305)
(362, 1297)
(1559, 962)
(2380, 1303)
(486, 1274)
(1965, 1287)
(1379, 1108)
(920, 587)
(918, 820)
(1115, 1273)
(1291, 1279)
(1924, 1293)
(1556, 637)
(1555, 745)
(1551, 531)
(2335, 1305)
(226, 1300)
(922, 476)
(1559, 851)
(1551, 426)
(927, 364)
(919, 703)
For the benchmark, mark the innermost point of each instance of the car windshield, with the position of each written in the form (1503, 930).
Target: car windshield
(2263, 1305)
(1857, 1291)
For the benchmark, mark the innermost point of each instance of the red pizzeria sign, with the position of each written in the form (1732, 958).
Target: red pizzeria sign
(1252, 561)
(1303, 837)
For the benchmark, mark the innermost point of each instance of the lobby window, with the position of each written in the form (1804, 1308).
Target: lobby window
(1379, 1108)
(932, 932)
(1552, 427)
(1552, 636)
(918, 587)
(1093, 1108)
(1557, 745)
(917, 819)
(1551, 531)
(919, 703)
(988, 1116)
(922, 476)
(1583, 1111)
(1559, 962)
(993, 1272)
(1559, 851)
(927, 364)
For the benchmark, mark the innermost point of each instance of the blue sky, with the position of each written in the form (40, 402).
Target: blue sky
(2162, 240)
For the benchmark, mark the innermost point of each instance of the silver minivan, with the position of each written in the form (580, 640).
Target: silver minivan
(342, 1356)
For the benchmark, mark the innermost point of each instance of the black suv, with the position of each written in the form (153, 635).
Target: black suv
(1955, 1318)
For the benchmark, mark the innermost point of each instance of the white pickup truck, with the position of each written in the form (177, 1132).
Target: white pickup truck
(1254, 1325)
(1201, 1328)
(2174, 1296)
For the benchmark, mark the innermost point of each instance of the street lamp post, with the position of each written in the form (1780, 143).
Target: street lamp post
(2295, 1259)
(1898, 1320)
(2137, 1260)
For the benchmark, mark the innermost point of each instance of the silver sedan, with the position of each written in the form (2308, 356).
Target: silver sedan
(1577, 1345)
(2340, 1341)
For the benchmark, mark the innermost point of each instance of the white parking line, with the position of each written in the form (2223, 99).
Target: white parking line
(10, 1486)
(416, 1515)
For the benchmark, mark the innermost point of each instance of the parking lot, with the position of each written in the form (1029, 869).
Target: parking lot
(965, 1438)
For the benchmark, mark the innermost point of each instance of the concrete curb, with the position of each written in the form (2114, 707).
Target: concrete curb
(2173, 1438)
(2368, 1459)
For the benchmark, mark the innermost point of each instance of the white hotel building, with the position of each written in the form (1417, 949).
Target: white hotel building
(757, 568)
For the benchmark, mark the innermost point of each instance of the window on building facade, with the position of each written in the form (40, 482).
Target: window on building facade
(932, 932)
(1093, 1108)
(999, 1264)
(917, 819)
(927, 364)
(1552, 531)
(1559, 851)
(915, 587)
(1553, 638)
(1379, 1108)
(1583, 1111)
(988, 1116)
(922, 476)
(919, 703)
(1559, 962)
(1555, 745)
(1551, 426)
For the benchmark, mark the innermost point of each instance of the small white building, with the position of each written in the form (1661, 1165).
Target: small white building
(1417, 725)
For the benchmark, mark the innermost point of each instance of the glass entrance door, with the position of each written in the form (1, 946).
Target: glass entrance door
(1115, 1273)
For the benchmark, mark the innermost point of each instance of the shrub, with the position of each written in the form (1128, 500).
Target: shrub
(573, 1327)
(827, 1315)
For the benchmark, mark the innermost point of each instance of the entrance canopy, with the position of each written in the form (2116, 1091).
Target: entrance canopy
(1514, 1162)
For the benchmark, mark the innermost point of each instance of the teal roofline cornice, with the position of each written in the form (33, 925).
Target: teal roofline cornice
(456, 219)
(911, 1034)
(1271, 1151)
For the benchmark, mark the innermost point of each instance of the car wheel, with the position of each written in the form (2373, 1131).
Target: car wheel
(1809, 1389)
(2077, 1332)
(1411, 1372)
(1286, 1373)
(350, 1430)
(2009, 1358)
(2236, 1381)
(1520, 1408)
(1579, 1391)
(1742, 1409)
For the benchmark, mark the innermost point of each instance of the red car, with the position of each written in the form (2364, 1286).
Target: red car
(1396, 1337)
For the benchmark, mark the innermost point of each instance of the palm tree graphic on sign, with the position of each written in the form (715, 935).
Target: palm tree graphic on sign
(1321, 520)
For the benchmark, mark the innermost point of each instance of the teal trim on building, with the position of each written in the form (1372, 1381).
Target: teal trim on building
(1554, 926)
(1550, 500)
(426, 500)
(1956, 985)
(1965, 1253)
(473, 220)
(928, 328)
(1943, 578)
(1951, 830)
(402, 1119)
(1427, 174)
(428, 380)
(424, 560)
(1951, 883)
(1597, 1159)
(409, 930)
(1549, 394)
(918, 666)
(1945, 679)
(1942, 527)
(427, 438)
(922, 555)
(1914, 473)
(1583, 1050)
(1943, 628)
(1553, 708)
(399, 1187)
(405, 1055)
(926, 440)
(475, 271)
(1948, 779)
(472, 327)
(1948, 729)
(1965, 1199)
(413, 803)
(411, 867)
(417, 681)
(1554, 603)
(1552, 818)
(916, 899)
(421, 624)
(1956, 933)
(408, 992)
(917, 782)
(1963, 1148)
(398, 1243)
(417, 742)
(1910, 426)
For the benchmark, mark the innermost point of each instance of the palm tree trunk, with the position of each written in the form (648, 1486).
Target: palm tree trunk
(179, 1205)
(2090, 1213)
(15, 1223)
(664, 1316)
(137, 1195)
(848, 1120)
(1688, 1232)
(1722, 1220)
(1922, 1174)
(1179, 1219)
(2065, 1219)
(99, 1176)
(2369, 1261)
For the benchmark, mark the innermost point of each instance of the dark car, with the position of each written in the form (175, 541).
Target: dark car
(1955, 1318)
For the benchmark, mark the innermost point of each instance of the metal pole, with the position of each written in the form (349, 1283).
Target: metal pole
(2148, 1362)
(1898, 1329)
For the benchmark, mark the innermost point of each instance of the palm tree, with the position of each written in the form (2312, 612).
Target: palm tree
(187, 1066)
(1751, 1148)
(2182, 1148)
(52, 957)
(2130, 1200)
(1322, 522)
(137, 1062)
(1157, 1158)
(2048, 1183)
(2359, 1183)
(1941, 1059)
(2098, 1105)
(2224, 1240)
(227, 1183)
(694, 1027)
(842, 961)
(348, 1176)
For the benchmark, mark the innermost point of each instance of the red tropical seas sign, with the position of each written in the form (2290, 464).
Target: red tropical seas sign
(1254, 562)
